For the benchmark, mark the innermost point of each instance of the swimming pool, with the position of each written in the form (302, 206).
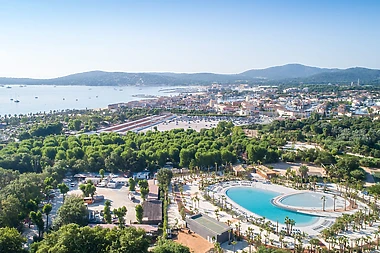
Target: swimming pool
(308, 199)
(258, 201)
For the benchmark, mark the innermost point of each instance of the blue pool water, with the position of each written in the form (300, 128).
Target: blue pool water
(307, 199)
(258, 201)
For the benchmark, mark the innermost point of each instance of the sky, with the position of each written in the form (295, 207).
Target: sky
(44, 39)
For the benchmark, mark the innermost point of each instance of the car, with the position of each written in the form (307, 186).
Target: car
(72, 184)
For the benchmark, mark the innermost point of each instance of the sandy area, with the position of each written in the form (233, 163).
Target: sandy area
(283, 166)
(118, 198)
(195, 242)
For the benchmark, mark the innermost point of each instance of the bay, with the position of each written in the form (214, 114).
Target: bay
(46, 98)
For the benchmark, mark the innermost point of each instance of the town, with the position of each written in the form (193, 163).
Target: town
(303, 196)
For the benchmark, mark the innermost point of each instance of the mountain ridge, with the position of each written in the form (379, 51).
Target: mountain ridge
(289, 73)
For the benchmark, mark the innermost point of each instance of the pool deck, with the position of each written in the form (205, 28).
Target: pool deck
(329, 209)
(191, 188)
(324, 219)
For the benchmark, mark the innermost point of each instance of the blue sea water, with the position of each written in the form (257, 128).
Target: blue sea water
(40, 98)
(259, 202)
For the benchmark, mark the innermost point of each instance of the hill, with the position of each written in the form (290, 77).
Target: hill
(286, 72)
(290, 73)
(366, 76)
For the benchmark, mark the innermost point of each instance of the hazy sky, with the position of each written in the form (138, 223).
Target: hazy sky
(53, 38)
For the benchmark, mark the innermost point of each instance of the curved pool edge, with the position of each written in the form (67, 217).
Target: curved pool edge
(317, 219)
(315, 211)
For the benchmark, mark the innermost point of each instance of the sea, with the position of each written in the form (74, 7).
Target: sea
(46, 98)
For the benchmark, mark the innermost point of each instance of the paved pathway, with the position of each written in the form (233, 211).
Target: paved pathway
(174, 216)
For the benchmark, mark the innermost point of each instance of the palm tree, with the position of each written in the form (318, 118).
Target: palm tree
(233, 245)
(377, 237)
(287, 223)
(196, 198)
(229, 236)
(323, 198)
(313, 242)
(217, 214)
(334, 201)
(303, 170)
(292, 223)
(46, 210)
(250, 241)
(281, 238)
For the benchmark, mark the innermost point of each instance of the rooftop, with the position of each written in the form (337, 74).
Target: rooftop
(152, 210)
(153, 190)
(210, 223)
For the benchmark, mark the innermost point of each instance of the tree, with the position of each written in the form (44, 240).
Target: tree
(120, 214)
(10, 208)
(38, 221)
(303, 170)
(101, 173)
(75, 124)
(143, 183)
(11, 241)
(46, 209)
(139, 213)
(168, 246)
(74, 239)
(132, 184)
(164, 177)
(63, 188)
(107, 211)
(144, 188)
(323, 198)
(73, 210)
(49, 183)
(263, 249)
(144, 193)
(88, 189)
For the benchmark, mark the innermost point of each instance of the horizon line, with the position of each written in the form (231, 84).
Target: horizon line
(171, 72)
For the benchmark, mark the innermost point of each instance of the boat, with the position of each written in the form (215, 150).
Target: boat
(11, 99)
(63, 99)
(36, 97)
(17, 101)
(8, 87)
(76, 99)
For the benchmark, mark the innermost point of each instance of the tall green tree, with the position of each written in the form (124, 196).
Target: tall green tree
(38, 221)
(168, 246)
(73, 210)
(46, 209)
(10, 209)
(132, 184)
(120, 214)
(107, 211)
(139, 213)
(101, 173)
(164, 177)
(88, 189)
(63, 188)
(11, 241)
